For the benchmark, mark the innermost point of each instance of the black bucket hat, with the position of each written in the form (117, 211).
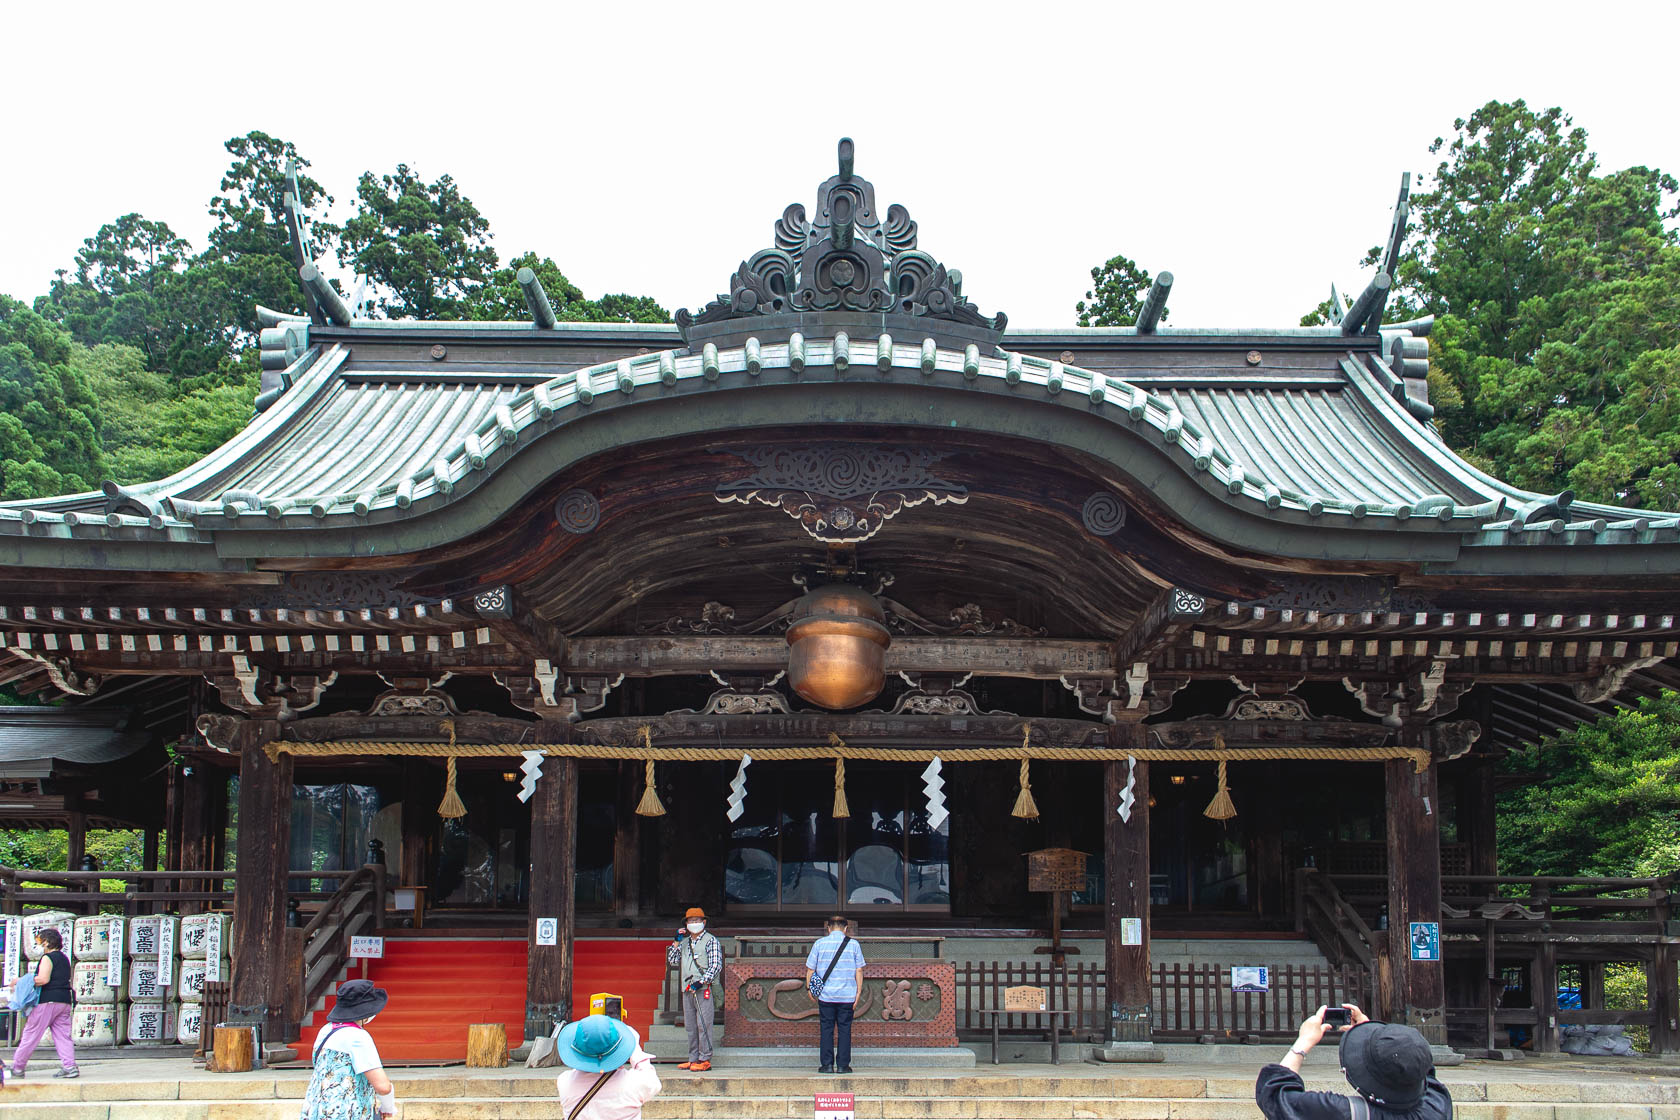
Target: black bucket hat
(1386, 1063)
(357, 1000)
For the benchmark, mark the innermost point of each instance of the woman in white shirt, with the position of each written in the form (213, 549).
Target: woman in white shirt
(349, 1082)
(611, 1076)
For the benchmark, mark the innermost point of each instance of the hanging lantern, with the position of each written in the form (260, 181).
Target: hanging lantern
(837, 647)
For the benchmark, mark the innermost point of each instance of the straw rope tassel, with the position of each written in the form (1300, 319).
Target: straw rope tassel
(1220, 808)
(1025, 807)
(450, 807)
(650, 805)
(841, 809)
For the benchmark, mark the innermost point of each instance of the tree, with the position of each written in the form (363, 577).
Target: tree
(152, 426)
(425, 246)
(49, 415)
(1116, 295)
(1556, 290)
(501, 298)
(1601, 799)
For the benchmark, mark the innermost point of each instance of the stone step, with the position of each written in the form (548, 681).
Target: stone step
(783, 1108)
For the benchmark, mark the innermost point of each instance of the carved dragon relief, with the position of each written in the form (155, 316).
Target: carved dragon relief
(964, 620)
(846, 258)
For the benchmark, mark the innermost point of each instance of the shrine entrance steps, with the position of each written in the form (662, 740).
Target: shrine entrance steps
(440, 982)
(172, 1089)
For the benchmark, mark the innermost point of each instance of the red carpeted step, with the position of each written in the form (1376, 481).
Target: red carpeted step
(440, 986)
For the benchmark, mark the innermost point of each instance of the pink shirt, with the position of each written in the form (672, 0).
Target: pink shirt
(621, 1098)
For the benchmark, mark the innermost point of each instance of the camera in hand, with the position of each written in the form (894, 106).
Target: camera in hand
(1337, 1017)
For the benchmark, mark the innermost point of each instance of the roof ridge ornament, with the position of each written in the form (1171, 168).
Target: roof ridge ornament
(844, 258)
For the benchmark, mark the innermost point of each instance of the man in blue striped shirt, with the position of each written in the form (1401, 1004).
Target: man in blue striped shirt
(840, 959)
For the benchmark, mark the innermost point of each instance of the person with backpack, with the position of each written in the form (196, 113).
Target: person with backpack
(610, 1076)
(349, 1082)
(834, 977)
(52, 1012)
(1390, 1067)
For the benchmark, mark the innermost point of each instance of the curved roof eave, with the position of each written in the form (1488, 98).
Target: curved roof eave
(1218, 489)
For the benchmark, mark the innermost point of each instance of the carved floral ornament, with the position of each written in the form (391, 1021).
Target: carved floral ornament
(841, 493)
(843, 258)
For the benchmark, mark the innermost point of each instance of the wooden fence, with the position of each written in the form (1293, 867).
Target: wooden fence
(1190, 1000)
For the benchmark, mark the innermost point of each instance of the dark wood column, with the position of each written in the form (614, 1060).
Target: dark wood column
(422, 789)
(548, 977)
(1476, 815)
(195, 791)
(262, 852)
(1414, 891)
(76, 830)
(1270, 878)
(1131, 1011)
(627, 843)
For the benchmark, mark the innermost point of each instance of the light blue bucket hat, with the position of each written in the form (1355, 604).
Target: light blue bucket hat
(596, 1044)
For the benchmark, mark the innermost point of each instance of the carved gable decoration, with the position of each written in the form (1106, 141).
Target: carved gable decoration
(844, 257)
(841, 493)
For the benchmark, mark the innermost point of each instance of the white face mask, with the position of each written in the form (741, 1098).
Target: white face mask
(696, 927)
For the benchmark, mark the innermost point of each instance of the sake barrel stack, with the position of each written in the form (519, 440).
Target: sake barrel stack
(154, 970)
(61, 920)
(151, 1022)
(92, 938)
(199, 932)
(192, 975)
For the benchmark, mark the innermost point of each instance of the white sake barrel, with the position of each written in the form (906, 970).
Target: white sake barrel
(61, 920)
(199, 929)
(187, 1023)
(92, 939)
(151, 1021)
(144, 984)
(190, 988)
(87, 980)
(145, 935)
(96, 1024)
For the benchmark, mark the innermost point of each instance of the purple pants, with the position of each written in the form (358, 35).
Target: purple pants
(54, 1017)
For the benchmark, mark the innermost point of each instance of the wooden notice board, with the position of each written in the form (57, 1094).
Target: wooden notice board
(1024, 997)
(1056, 869)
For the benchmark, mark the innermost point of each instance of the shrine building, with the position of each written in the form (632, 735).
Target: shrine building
(843, 594)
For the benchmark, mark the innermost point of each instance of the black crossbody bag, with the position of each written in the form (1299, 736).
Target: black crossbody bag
(816, 986)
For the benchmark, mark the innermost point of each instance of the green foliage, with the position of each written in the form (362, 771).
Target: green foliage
(1118, 287)
(501, 297)
(49, 415)
(152, 427)
(1601, 799)
(1556, 287)
(425, 246)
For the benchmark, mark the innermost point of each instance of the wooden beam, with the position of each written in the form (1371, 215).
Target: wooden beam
(1168, 616)
(1041, 658)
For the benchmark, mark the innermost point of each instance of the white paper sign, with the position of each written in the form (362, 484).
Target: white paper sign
(166, 952)
(835, 1106)
(1131, 931)
(1250, 978)
(548, 931)
(372, 948)
(10, 950)
(114, 955)
(213, 949)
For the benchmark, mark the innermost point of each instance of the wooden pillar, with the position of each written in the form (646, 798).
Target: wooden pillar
(76, 828)
(259, 899)
(1476, 815)
(422, 789)
(149, 849)
(1131, 1010)
(627, 843)
(198, 823)
(548, 977)
(1662, 976)
(1414, 892)
(1270, 879)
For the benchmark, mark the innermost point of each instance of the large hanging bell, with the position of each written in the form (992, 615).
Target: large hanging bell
(837, 647)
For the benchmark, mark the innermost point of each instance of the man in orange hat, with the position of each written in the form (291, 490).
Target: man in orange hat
(699, 955)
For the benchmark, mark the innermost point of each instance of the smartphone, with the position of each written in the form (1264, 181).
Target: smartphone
(1337, 1017)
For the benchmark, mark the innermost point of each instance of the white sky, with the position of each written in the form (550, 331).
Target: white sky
(1252, 149)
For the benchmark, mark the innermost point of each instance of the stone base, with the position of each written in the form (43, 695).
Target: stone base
(1128, 1052)
(1446, 1056)
(863, 1058)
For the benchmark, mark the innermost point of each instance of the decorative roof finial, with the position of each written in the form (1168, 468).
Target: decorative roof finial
(844, 259)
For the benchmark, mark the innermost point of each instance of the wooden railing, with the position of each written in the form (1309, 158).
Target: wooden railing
(216, 996)
(1331, 921)
(142, 892)
(356, 908)
(1602, 906)
(1190, 1000)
